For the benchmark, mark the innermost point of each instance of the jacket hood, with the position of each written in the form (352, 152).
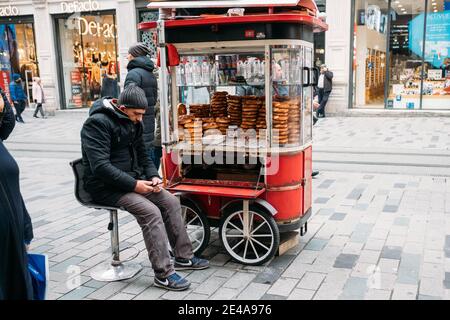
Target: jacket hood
(15, 76)
(143, 62)
(107, 106)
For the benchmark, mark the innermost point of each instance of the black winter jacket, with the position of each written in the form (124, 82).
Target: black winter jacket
(114, 154)
(140, 72)
(7, 119)
(328, 81)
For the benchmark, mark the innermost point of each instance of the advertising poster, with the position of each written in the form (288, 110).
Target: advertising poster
(76, 90)
(5, 64)
(437, 45)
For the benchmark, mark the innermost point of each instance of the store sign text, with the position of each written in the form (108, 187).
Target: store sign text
(78, 6)
(96, 29)
(9, 11)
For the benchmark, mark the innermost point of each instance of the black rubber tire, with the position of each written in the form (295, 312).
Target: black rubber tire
(206, 227)
(271, 222)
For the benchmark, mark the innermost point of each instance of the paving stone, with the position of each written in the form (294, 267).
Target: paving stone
(389, 252)
(347, 261)
(283, 287)
(316, 244)
(388, 265)
(210, 285)
(225, 294)
(376, 294)
(301, 294)
(78, 294)
(404, 292)
(431, 287)
(355, 288)
(409, 269)
(254, 291)
(321, 200)
(122, 296)
(325, 212)
(151, 293)
(338, 216)
(369, 256)
(401, 221)
(239, 280)
(311, 281)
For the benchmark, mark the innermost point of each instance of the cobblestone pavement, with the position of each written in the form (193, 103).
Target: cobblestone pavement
(376, 233)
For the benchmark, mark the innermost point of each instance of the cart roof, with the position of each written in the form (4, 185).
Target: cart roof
(310, 4)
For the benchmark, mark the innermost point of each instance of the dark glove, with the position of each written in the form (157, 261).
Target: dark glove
(35, 101)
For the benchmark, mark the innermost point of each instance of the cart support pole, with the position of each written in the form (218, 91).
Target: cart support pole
(246, 218)
(163, 83)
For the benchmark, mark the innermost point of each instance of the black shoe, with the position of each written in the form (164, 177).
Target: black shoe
(193, 264)
(35, 116)
(315, 119)
(173, 282)
(315, 174)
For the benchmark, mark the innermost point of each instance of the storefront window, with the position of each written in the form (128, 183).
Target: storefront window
(436, 84)
(18, 55)
(406, 43)
(88, 49)
(369, 73)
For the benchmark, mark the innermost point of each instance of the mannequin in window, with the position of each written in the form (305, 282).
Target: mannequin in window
(110, 87)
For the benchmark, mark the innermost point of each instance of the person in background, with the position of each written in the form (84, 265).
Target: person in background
(18, 96)
(38, 97)
(120, 173)
(110, 87)
(141, 73)
(16, 230)
(325, 86)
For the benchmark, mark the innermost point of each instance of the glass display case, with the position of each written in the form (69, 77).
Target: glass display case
(219, 98)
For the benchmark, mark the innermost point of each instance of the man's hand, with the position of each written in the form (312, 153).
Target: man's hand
(2, 104)
(143, 187)
(156, 182)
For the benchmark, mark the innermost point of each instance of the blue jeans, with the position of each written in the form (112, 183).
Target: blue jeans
(155, 154)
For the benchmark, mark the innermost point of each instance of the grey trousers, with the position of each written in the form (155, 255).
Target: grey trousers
(159, 216)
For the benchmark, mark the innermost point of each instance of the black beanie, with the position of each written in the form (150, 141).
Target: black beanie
(139, 49)
(133, 97)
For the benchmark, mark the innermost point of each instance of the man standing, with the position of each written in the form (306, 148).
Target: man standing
(141, 73)
(325, 87)
(18, 96)
(120, 173)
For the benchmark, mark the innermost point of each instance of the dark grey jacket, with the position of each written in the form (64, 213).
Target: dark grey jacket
(114, 154)
(140, 72)
(328, 81)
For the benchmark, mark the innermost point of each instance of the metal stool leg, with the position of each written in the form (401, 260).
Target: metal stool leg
(115, 270)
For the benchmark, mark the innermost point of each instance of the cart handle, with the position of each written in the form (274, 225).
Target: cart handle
(308, 82)
(316, 76)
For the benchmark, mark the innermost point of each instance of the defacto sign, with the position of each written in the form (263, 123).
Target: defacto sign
(9, 11)
(80, 6)
(96, 29)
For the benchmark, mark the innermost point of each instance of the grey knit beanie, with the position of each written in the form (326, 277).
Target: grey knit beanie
(133, 97)
(139, 49)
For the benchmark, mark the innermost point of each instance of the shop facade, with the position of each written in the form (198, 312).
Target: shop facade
(76, 47)
(396, 55)
(17, 48)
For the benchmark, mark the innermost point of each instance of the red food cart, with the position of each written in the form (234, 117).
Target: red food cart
(236, 91)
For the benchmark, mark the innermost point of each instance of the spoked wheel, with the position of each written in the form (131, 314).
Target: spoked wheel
(197, 227)
(251, 239)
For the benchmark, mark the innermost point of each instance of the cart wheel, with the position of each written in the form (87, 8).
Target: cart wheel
(256, 244)
(197, 226)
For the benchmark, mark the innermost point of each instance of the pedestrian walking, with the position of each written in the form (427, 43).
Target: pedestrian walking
(16, 231)
(38, 97)
(18, 96)
(120, 173)
(141, 73)
(325, 86)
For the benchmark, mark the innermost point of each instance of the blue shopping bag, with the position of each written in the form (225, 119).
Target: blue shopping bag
(38, 268)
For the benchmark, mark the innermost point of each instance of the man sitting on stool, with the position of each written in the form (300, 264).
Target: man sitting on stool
(119, 173)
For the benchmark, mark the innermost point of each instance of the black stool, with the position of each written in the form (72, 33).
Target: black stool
(115, 270)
